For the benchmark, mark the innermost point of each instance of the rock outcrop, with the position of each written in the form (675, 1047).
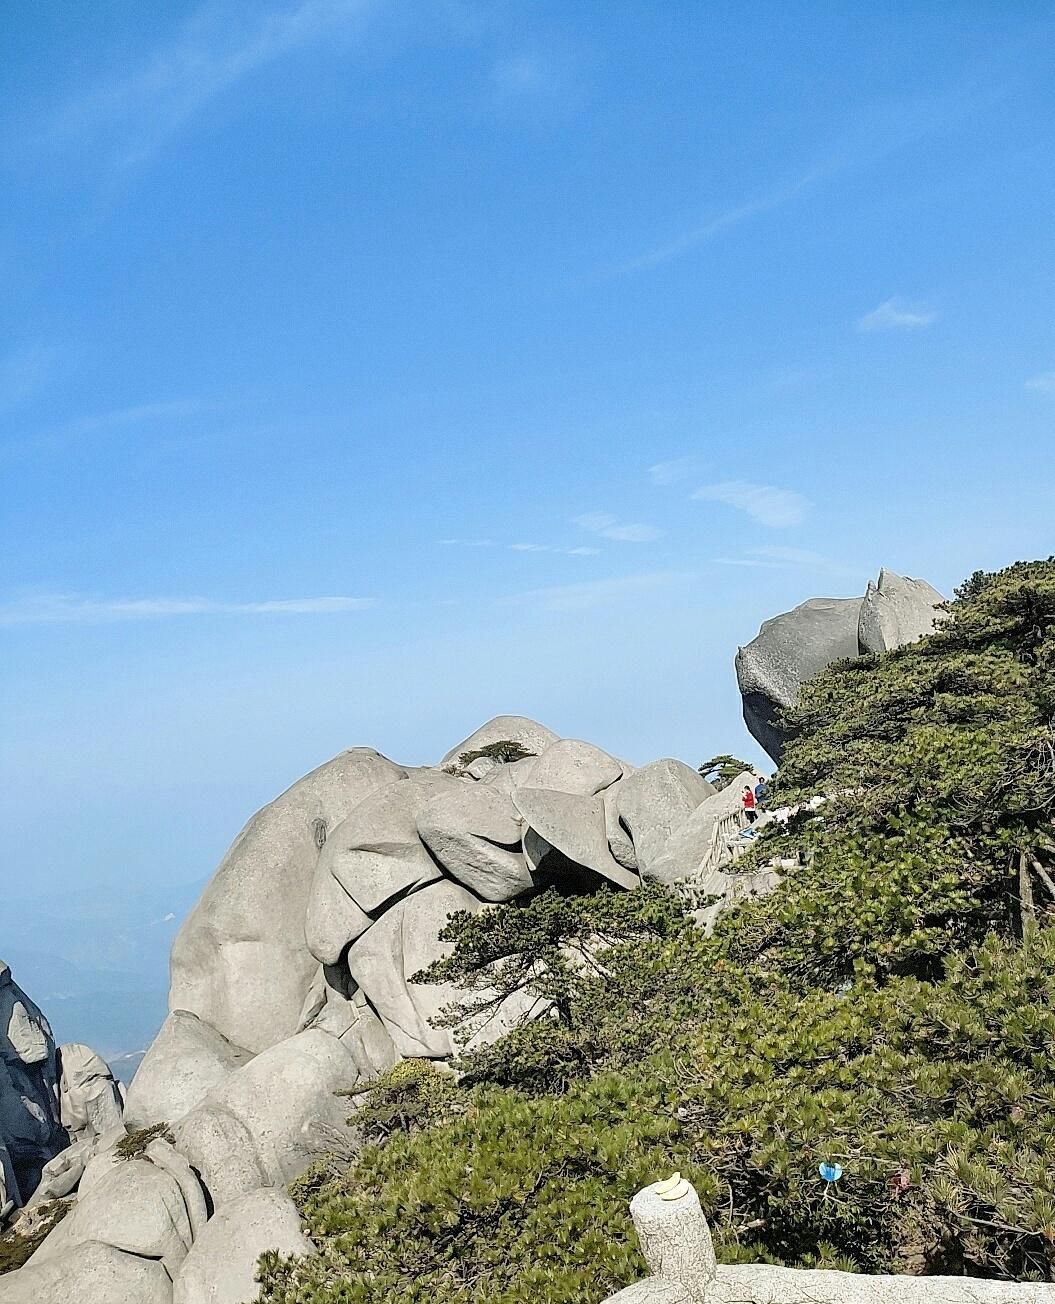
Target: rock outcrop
(793, 647)
(293, 981)
(31, 1131)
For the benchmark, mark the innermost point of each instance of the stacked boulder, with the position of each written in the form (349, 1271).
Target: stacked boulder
(793, 647)
(292, 980)
(31, 1131)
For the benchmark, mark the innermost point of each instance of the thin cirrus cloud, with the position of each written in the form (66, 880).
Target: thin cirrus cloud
(897, 315)
(765, 503)
(1044, 383)
(208, 57)
(610, 527)
(722, 221)
(521, 547)
(676, 470)
(66, 609)
(779, 558)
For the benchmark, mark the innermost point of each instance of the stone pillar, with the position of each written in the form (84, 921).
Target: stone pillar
(674, 1236)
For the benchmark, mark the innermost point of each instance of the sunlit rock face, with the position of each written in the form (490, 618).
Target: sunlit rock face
(795, 646)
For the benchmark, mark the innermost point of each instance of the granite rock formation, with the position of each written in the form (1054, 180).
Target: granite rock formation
(292, 980)
(793, 647)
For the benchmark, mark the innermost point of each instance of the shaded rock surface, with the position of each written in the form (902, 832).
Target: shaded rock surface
(31, 1131)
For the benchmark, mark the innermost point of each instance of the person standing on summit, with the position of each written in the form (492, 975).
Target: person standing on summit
(748, 801)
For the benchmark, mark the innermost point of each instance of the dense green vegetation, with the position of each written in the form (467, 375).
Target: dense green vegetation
(890, 1007)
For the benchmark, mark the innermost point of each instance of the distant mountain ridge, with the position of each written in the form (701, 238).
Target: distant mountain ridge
(97, 961)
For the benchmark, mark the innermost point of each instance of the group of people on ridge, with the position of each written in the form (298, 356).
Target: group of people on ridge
(753, 799)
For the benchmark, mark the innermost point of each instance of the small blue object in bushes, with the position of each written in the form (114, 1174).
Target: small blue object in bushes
(830, 1172)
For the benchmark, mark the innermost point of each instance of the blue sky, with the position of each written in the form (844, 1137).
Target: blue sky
(369, 368)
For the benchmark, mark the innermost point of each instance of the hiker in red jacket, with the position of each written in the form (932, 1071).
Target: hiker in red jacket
(748, 800)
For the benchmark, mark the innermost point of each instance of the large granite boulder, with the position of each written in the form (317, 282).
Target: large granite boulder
(221, 1266)
(31, 1131)
(241, 962)
(690, 843)
(474, 831)
(150, 1206)
(574, 766)
(788, 650)
(529, 734)
(897, 610)
(375, 855)
(266, 1122)
(90, 1101)
(797, 645)
(403, 941)
(88, 1273)
(575, 827)
(654, 801)
(185, 1061)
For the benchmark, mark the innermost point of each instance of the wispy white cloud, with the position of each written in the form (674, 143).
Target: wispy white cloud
(599, 593)
(521, 547)
(553, 547)
(676, 470)
(144, 413)
(212, 52)
(69, 609)
(723, 221)
(898, 315)
(777, 558)
(1044, 383)
(767, 504)
(610, 527)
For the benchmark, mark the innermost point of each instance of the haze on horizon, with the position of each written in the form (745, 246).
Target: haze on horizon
(371, 368)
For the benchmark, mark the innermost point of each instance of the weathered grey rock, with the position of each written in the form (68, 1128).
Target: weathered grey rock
(88, 1273)
(657, 799)
(221, 1266)
(532, 736)
(763, 1284)
(482, 767)
(687, 846)
(788, 650)
(474, 831)
(403, 941)
(570, 765)
(376, 855)
(514, 774)
(90, 1101)
(138, 1207)
(897, 610)
(620, 843)
(352, 1019)
(574, 826)
(241, 962)
(31, 1132)
(62, 1174)
(186, 1060)
(259, 1126)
